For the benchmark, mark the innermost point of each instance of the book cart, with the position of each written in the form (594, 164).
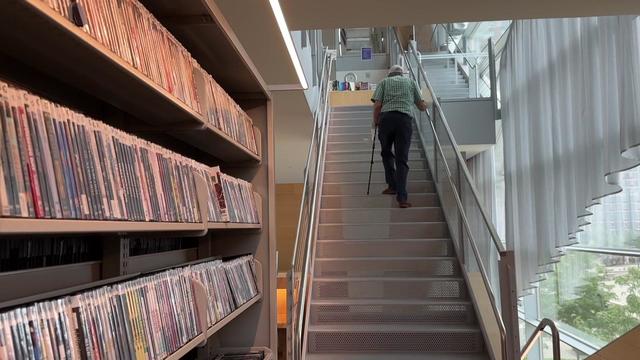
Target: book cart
(45, 53)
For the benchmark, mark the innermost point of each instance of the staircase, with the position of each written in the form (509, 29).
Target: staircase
(447, 79)
(386, 282)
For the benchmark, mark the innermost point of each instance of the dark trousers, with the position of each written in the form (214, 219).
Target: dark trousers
(395, 131)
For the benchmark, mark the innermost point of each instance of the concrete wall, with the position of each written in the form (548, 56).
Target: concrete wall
(472, 121)
(372, 76)
(293, 129)
(353, 63)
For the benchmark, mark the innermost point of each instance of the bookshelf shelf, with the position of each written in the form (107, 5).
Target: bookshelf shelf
(220, 324)
(75, 58)
(232, 226)
(18, 226)
(202, 338)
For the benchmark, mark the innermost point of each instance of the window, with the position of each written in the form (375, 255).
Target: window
(595, 296)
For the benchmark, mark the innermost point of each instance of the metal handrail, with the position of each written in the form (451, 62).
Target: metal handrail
(494, 234)
(456, 44)
(537, 333)
(509, 345)
(299, 274)
(465, 56)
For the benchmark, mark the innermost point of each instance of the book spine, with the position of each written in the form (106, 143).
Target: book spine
(50, 152)
(24, 155)
(12, 206)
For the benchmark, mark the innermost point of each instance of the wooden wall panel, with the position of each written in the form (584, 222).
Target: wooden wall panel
(287, 210)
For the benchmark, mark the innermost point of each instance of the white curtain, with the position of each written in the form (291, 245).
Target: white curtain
(571, 118)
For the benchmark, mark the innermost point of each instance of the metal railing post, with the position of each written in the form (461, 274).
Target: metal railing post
(493, 77)
(435, 143)
(509, 304)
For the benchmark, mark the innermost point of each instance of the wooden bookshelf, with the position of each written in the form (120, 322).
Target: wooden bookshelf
(204, 336)
(233, 226)
(73, 57)
(72, 63)
(21, 226)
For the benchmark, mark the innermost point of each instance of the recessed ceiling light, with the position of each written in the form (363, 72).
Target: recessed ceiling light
(286, 36)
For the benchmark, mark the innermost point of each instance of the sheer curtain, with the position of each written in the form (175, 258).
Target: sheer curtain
(571, 120)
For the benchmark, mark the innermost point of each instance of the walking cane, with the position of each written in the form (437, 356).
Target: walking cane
(373, 149)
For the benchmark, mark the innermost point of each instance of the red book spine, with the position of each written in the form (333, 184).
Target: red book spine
(31, 159)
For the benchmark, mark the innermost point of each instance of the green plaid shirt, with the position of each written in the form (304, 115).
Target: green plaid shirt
(397, 93)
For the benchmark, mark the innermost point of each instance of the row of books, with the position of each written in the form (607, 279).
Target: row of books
(146, 318)
(57, 163)
(230, 199)
(223, 113)
(131, 32)
(36, 252)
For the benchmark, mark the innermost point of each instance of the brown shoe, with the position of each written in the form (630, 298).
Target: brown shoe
(388, 191)
(404, 205)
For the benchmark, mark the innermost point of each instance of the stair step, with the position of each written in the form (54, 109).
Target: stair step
(389, 288)
(365, 144)
(376, 201)
(414, 214)
(368, 113)
(451, 83)
(359, 155)
(364, 165)
(386, 266)
(355, 188)
(395, 337)
(383, 248)
(363, 355)
(356, 128)
(391, 312)
(362, 176)
(363, 231)
(363, 121)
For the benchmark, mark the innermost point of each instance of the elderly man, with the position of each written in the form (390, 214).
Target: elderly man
(394, 100)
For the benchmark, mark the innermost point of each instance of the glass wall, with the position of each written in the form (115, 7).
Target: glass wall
(596, 296)
(594, 291)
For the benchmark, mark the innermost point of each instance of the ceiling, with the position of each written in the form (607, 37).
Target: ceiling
(325, 14)
(256, 28)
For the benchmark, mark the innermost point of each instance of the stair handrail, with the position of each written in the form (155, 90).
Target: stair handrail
(537, 333)
(506, 317)
(298, 291)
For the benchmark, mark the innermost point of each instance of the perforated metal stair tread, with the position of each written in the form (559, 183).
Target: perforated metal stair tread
(365, 161)
(397, 356)
(377, 196)
(387, 279)
(395, 328)
(364, 172)
(381, 239)
(365, 151)
(385, 223)
(374, 182)
(387, 258)
(387, 302)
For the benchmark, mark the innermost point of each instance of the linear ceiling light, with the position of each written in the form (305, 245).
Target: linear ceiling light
(286, 36)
